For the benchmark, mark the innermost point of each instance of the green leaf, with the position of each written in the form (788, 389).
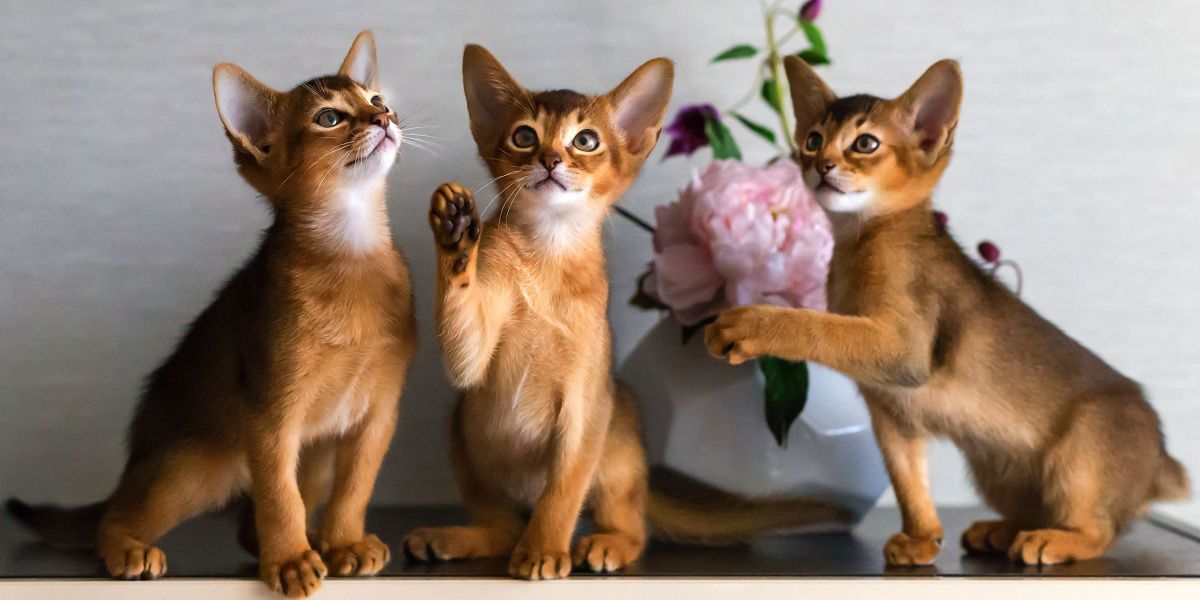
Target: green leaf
(762, 130)
(735, 52)
(813, 33)
(770, 94)
(721, 140)
(785, 393)
(813, 57)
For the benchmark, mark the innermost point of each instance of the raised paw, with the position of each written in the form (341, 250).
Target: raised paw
(454, 218)
(905, 550)
(135, 560)
(539, 563)
(738, 334)
(1053, 546)
(365, 557)
(989, 537)
(294, 577)
(605, 552)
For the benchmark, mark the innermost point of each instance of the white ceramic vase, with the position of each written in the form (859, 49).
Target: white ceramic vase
(706, 419)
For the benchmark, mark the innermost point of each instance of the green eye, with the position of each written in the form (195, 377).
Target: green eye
(865, 144)
(586, 141)
(813, 142)
(524, 137)
(328, 118)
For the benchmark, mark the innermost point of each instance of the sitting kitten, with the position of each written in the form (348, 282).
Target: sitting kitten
(521, 311)
(298, 363)
(1064, 447)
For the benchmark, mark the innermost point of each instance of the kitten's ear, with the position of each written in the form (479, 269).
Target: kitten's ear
(810, 96)
(247, 109)
(360, 64)
(492, 94)
(639, 104)
(931, 106)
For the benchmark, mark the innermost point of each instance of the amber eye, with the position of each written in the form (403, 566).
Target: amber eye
(328, 118)
(524, 137)
(586, 140)
(377, 102)
(813, 142)
(865, 144)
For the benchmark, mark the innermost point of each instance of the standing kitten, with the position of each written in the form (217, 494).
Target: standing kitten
(521, 303)
(298, 363)
(1064, 447)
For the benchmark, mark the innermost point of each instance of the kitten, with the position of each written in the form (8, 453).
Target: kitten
(297, 364)
(521, 303)
(1066, 449)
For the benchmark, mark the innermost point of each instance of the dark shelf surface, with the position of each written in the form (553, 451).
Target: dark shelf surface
(206, 548)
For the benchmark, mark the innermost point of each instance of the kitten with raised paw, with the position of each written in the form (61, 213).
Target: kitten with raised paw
(287, 386)
(542, 430)
(1066, 449)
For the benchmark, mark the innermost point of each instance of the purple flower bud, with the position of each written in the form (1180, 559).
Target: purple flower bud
(687, 130)
(810, 10)
(941, 218)
(989, 251)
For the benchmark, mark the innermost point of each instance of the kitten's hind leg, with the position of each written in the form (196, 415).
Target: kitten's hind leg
(155, 495)
(989, 537)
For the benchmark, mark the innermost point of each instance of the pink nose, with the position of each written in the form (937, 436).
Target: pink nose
(550, 159)
(381, 120)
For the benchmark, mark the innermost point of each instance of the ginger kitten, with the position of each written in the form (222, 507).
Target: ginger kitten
(1066, 449)
(542, 429)
(288, 384)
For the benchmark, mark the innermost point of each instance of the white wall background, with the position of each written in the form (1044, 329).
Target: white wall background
(120, 212)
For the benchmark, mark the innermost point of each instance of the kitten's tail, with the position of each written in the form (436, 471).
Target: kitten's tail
(70, 528)
(1171, 483)
(682, 509)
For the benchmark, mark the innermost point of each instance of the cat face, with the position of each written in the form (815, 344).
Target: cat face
(330, 134)
(868, 155)
(561, 153)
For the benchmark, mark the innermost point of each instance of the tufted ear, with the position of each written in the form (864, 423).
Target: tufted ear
(639, 104)
(811, 97)
(931, 107)
(493, 96)
(247, 109)
(360, 64)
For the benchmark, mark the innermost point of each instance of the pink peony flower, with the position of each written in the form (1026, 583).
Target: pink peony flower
(739, 235)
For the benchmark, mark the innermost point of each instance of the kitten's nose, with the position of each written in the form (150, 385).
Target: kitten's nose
(381, 120)
(825, 167)
(550, 159)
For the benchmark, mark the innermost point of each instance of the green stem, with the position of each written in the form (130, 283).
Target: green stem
(776, 64)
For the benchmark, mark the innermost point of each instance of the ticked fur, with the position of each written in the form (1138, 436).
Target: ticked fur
(1064, 447)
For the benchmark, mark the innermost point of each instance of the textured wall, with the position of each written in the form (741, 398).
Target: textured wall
(120, 211)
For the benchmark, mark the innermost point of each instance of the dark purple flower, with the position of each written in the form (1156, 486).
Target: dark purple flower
(810, 10)
(989, 251)
(941, 218)
(687, 130)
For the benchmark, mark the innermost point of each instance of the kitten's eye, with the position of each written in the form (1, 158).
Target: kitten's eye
(377, 102)
(586, 140)
(865, 144)
(813, 142)
(328, 118)
(524, 137)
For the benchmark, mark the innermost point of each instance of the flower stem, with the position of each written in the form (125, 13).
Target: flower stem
(776, 64)
(636, 220)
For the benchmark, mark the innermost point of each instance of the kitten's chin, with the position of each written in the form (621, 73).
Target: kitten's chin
(842, 202)
(552, 196)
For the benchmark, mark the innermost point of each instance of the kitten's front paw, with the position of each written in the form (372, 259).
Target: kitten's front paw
(134, 560)
(539, 563)
(737, 334)
(365, 557)
(905, 550)
(296, 576)
(454, 219)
